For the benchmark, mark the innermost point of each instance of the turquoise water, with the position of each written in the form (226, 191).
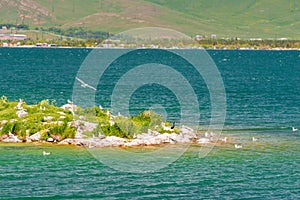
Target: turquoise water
(262, 89)
(268, 169)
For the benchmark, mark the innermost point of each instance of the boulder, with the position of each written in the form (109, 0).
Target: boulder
(176, 138)
(56, 137)
(180, 138)
(155, 133)
(152, 141)
(35, 137)
(164, 138)
(203, 141)
(83, 126)
(77, 142)
(12, 138)
(135, 142)
(115, 141)
(103, 143)
(143, 136)
(3, 137)
(188, 132)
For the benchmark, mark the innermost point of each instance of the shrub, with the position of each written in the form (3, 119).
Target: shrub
(3, 100)
(6, 128)
(64, 131)
(114, 130)
(127, 126)
(147, 120)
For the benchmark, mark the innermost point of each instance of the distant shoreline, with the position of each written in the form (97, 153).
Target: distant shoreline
(180, 48)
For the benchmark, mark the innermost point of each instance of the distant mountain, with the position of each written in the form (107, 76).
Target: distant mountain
(225, 18)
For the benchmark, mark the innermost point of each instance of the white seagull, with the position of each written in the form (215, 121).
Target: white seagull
(69, 101)
(238, 146)
(85, 85)
(294, 129)
(224, 139)
(46, 153)
(254, 139)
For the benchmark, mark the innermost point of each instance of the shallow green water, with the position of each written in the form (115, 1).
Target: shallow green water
(268, 168)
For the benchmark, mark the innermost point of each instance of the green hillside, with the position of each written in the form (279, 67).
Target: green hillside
(225, 18)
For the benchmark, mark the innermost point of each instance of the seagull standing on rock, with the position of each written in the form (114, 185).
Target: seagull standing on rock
(69, 101)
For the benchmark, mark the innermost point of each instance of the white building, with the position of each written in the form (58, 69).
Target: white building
(13, 37)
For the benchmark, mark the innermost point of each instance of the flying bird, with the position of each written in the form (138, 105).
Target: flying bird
(85, 85)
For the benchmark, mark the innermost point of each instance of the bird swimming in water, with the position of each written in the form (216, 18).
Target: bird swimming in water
(238, 146)
(294, 129)
(46, 153)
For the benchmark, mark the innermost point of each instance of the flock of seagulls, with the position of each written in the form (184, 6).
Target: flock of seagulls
(208, 138)
(254, 139)
(201, 140)
(239, 146)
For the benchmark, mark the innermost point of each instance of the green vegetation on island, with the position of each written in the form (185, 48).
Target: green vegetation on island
(59, 123)
(24, 120)
(121, 126)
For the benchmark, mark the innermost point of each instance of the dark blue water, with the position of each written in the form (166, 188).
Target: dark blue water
(262, 87)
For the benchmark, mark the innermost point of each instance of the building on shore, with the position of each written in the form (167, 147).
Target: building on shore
(13, 37)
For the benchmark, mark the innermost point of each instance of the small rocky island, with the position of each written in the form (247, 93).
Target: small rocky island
(90, 127)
